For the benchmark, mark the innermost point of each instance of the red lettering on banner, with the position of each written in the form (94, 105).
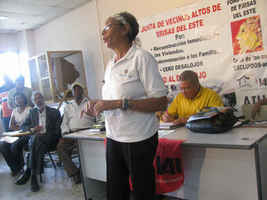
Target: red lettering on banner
(216, 7)
(181, 28)
(160, 23)
(171, 79)
(177, 19)
(165, 32)
(207, 10)
(165, 79)
(177, 77)
(201, 11)
(148, 27)
(196, 24)
(202, 75)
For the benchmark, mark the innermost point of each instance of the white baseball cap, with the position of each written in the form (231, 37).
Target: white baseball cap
(76, 83)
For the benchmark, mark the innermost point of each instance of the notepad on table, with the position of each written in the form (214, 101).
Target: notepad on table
(168, 125)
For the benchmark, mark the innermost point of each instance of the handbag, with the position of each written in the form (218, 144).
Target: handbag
(212, 120)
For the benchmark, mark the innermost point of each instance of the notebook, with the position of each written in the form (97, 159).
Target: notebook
(168, 125)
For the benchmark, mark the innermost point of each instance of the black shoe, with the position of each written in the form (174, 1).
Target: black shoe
(23, 178)
(34, 184)
(16, 172)
(77, 178)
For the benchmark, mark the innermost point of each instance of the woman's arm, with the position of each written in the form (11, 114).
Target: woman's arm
(139, 105)
(149, 105)
(12, 124)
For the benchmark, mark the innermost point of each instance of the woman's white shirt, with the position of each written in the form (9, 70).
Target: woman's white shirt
(135, 76)
(20, 117)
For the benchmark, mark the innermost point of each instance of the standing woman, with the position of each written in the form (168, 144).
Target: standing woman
(132, 93)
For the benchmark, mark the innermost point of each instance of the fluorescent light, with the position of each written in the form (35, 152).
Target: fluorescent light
(3, 17)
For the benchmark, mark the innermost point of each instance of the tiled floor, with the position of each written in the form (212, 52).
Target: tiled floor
(56, 186)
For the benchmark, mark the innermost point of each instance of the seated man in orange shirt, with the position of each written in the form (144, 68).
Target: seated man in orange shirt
(192, 98)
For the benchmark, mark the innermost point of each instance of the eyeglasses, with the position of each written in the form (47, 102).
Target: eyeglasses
(107, 27)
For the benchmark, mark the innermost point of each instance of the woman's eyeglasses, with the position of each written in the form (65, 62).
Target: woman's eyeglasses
(108, 26)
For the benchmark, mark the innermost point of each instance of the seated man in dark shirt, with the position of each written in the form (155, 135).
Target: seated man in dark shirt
(44, 122)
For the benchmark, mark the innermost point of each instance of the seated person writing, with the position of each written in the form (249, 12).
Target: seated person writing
(192, 98)
(44, 122)
(14, 158)
(71, 122)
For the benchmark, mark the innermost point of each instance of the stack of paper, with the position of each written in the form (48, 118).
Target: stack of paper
(168, 125)
(162, 133)
(9, 139)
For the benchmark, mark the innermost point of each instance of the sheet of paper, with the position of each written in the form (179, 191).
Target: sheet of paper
(17, 133)
(165, 132)
(89, 132)
(11, 133)
(9, 139)
(166, 123)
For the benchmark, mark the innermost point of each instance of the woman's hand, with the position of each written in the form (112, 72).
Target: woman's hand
(37, 129)
(88, 109)
(94, 108)
(101, 105)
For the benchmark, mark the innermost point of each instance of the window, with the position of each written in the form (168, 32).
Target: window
(12, 65)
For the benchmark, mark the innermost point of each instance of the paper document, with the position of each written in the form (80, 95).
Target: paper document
(9, 139)
(165, 132)
(90, 132)
(17, 133)
(168, 125)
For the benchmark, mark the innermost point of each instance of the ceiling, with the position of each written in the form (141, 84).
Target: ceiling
(31, 14)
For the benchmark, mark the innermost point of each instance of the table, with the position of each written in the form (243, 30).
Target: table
(228, 166)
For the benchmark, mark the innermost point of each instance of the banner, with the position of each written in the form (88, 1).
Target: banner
(168, 166)
(224, 42)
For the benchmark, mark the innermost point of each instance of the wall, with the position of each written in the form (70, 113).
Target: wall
(8, 42)
(25, 42)
(77, 30)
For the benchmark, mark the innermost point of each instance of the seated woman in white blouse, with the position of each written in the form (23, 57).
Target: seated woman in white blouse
(20, 113)
(15, 159)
